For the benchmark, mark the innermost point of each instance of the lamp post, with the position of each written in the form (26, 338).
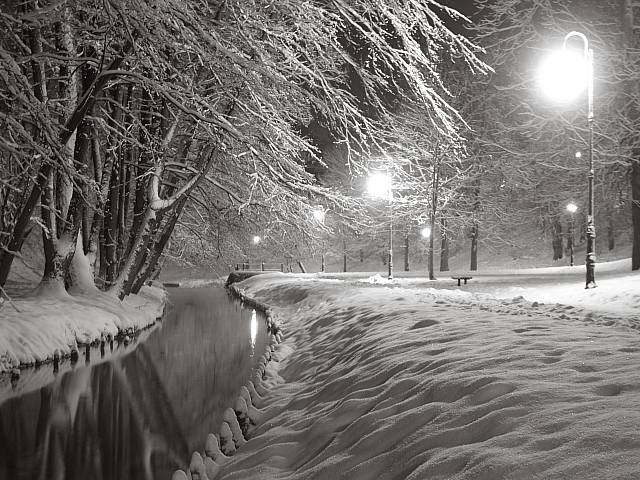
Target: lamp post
(564, 77)
(379, 185)
(571, 208)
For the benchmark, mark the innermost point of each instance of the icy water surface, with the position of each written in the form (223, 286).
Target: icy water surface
(138, 415)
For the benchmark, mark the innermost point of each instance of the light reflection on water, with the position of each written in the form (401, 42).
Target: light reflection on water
(138, 416)
(254, 330)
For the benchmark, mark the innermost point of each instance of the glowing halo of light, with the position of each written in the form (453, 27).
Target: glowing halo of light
(563, 75)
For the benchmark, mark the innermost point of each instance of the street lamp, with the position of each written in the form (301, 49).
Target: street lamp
(379, 185)
(571, 208)
(564, 76)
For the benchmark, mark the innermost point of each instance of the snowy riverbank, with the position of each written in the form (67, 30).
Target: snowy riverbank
(414, 383)
(34, 326)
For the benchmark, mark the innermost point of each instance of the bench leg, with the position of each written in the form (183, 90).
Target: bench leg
(459, 282)
(465, 281)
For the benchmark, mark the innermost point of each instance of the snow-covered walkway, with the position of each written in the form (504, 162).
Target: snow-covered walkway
(379, 382)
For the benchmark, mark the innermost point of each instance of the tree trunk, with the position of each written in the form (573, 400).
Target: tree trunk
(344, 255)
(434, 208)
(108, 251)
(444, 246)
(21, 229)
(474, 247)
(611, 238)
(635, 212)
(556, 241)
(159, 246)
(406, 252)
(632, 114)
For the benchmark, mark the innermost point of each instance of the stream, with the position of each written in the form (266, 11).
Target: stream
(140, 411)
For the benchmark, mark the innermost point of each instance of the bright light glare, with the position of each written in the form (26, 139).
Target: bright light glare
(578, 155)
(379, 185)
(563, 75)
(572, 207)
(318, 215)
(254, 328)
(426, 232)
(256, 239)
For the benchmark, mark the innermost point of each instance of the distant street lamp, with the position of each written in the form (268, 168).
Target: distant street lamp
(379, 185)
(571, 208)
(564, 76)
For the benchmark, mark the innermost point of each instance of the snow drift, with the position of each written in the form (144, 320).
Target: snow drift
(398, 383)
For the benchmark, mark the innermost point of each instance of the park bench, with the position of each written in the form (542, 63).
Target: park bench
(462, 277)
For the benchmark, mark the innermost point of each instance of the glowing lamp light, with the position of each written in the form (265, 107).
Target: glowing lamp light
(564, 75)
(379, 185)
(318, 215)
(256, 239)
(425, 232)
(572, 207)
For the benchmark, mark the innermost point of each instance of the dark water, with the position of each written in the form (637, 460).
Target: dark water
(139, 415)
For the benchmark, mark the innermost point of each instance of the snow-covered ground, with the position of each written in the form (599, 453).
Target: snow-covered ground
(36, 325)
(518, 376)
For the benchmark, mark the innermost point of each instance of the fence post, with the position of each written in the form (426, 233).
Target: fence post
(282, 267)
(262, 266)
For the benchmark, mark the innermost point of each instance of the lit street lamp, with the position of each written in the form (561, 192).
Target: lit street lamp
(571, 208)
(564, 76)
(379, 185)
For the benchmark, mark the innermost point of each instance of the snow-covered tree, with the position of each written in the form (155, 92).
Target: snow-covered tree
(119, 114)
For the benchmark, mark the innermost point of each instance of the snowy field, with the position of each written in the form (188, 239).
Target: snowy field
(532, 377)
